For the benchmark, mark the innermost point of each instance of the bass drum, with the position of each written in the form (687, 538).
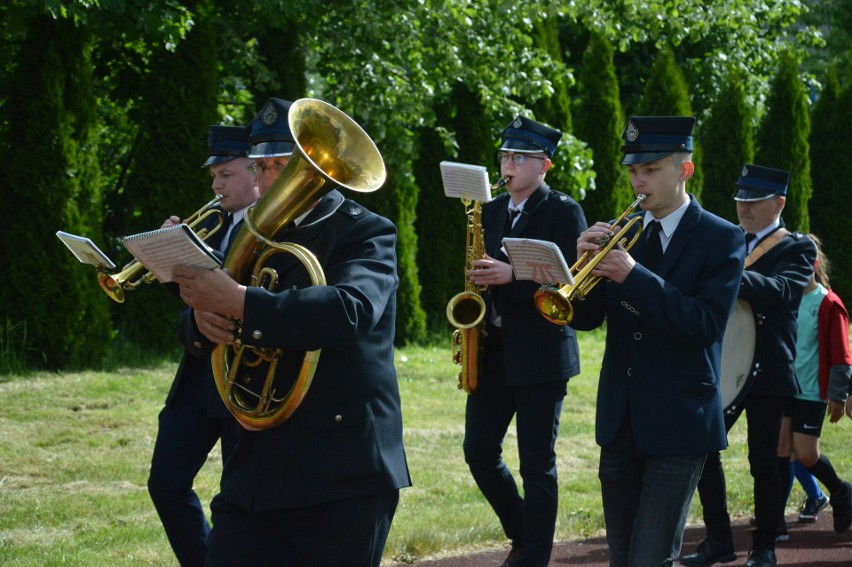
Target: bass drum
(739, 350)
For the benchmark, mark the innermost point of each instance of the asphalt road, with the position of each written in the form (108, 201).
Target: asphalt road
(810, 545)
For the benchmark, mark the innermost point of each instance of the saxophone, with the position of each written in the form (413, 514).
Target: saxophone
(466, 310)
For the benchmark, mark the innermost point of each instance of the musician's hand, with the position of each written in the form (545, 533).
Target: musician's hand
(216, 328)
(210, 290)
(616, 265)
(591, 240)
(489, 271)
(171, 221)
(835, 411)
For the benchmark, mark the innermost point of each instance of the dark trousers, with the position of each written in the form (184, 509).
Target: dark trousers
(185, 437)
(763, 418)
(343, 533)
(646, 501)
(530, 521)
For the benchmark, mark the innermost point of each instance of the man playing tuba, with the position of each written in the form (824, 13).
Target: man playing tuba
(320, 488)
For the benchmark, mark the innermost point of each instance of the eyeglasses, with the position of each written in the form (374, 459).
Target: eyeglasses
(517, 159)
(256, 169)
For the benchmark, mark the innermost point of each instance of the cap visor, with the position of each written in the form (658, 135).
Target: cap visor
(521, 147)
(643, 157)
(271, 149)
(218, 159)
(746, 194)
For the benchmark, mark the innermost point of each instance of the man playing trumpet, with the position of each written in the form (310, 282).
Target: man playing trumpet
(666, 302)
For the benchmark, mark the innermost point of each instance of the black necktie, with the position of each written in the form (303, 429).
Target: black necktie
(653, 246)
(749, 239)
(510, 220)
(233, 234)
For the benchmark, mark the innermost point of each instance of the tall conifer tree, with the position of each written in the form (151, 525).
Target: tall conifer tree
(599, 123)
(50, 178)
(782, 140)
(728, 142)
(831, 171)
(166, 177)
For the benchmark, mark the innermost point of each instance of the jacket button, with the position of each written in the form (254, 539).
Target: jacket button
(197, 344)
(630, 372)
(338, 418)
(256, 335)
(637, 336)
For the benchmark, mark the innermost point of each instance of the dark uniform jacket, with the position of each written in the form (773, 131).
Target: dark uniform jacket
(535, 350)
(774, 285)
(662, 360)
(345, 439)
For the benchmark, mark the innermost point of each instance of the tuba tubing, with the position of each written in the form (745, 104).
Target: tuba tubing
(331, 151)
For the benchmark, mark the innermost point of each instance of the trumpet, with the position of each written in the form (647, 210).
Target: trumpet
(555, 303)
(114, 285)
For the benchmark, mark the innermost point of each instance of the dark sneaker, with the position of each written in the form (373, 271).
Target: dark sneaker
(709, 553)
(811, 509)
(841, 508)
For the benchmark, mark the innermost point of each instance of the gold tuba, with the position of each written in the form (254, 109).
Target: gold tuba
(555, 303)
(466, 310)
(331, 150)
(114, 285)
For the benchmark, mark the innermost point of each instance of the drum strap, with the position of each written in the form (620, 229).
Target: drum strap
(766, 246)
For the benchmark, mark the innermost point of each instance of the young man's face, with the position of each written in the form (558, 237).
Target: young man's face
(661, 182)
(754, 216)
(268, 170)
(523, 176)
(236, 185)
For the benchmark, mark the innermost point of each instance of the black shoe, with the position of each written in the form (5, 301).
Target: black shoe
(710, 552)
(782, 534)
(514, 557)
(761, 558)
(841, 508)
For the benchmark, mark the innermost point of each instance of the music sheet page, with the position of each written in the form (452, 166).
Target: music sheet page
(538, 260)
(161, 250)
(465, 181)
(85, 250)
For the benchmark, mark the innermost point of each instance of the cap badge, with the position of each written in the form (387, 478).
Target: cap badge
(270, 116)
(745, 171)
(354, 211)
(517, 123)
(631, 133)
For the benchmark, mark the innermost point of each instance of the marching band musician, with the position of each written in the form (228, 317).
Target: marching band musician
(322, 487)
(778, 267)
(666, 304)
(194, 417)
(526, 360)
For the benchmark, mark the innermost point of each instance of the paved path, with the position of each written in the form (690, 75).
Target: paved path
(810, 545)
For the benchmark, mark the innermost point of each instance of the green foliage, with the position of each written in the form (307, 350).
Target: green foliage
(599, 122)
(50, 178)
(165, 178)
(728, 141)
(782, 140)
(831, 171)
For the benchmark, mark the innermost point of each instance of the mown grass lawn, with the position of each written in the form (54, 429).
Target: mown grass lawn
(76, 448)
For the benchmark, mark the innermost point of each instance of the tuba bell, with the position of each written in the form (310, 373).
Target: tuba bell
(331, 151)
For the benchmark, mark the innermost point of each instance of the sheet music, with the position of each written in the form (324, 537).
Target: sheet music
(538, 260)
(465, 181)
(163, 249)
(85, 250)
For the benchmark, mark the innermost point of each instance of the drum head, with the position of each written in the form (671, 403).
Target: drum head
(738, 351)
